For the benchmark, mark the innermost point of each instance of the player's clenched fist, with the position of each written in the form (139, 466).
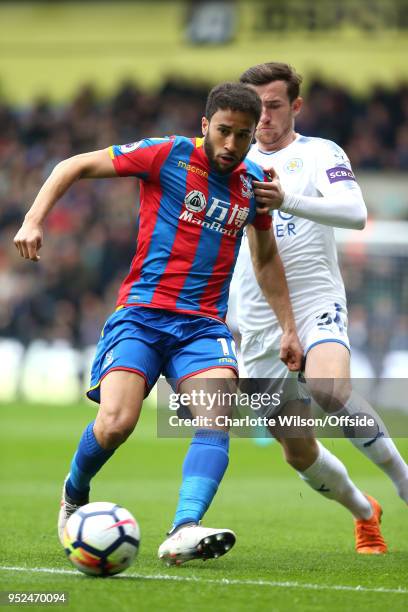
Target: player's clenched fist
(29, 240)
(291, 352)
(269, 195)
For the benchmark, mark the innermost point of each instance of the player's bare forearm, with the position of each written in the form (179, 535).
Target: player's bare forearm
(270, 275)
(96, 164)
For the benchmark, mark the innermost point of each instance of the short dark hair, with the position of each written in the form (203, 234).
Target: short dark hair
(262, 74)
(236, 97)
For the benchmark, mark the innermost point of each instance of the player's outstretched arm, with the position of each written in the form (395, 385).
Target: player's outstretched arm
(271, 277)
(97, 164)
(335, 206)
(346, 209)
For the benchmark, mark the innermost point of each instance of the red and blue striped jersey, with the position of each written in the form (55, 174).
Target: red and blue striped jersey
(190, 225)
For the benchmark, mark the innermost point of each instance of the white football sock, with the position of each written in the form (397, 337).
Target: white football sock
(379, 448)
(328, 476)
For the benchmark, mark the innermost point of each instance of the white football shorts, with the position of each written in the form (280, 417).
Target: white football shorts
(260, 352)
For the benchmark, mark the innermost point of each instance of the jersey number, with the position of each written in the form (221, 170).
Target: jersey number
(226, 349)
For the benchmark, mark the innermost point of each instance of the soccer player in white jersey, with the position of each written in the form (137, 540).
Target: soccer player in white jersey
(313, 190)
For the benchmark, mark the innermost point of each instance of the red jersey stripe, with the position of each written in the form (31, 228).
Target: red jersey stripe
(186, 240)
(151, 194)
(227, 255)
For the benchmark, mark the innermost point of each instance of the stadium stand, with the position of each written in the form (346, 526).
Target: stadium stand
(90, 235)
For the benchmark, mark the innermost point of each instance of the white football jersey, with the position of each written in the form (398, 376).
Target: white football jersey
(310, 167)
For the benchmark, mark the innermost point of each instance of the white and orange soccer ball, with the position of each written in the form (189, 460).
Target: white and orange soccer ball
(101, 539)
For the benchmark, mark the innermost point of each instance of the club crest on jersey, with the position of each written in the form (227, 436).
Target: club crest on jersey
(108, 359)
(131, 146)
(195, 201)
(293, 165)
(246, 188)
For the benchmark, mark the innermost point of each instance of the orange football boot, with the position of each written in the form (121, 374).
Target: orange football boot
(369, 540)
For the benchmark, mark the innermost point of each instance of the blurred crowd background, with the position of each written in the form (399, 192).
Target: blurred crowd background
(90, 236)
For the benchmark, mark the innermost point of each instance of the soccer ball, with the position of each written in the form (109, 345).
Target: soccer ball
(101, 539)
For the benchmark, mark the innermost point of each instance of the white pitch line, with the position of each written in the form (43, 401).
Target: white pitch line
(221, 581)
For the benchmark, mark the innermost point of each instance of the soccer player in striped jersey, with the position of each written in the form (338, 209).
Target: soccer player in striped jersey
(196, 199)
(317, 191)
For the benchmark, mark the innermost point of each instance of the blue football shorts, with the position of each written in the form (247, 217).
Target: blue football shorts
(151, 342)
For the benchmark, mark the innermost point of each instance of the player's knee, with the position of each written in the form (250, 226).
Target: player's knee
(112, 428)
(114, 434)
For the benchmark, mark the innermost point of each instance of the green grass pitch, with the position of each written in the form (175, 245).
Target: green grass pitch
(294, 549)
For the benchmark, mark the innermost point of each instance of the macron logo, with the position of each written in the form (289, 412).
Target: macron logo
(340, 174)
